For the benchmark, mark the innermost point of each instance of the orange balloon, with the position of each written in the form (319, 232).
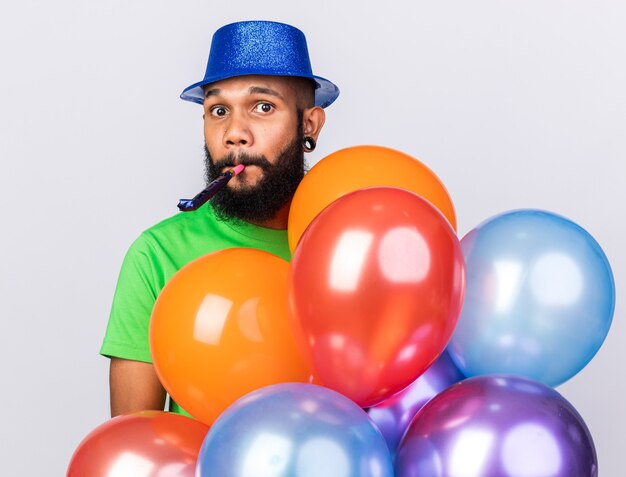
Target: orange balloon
(220, 329)
(356, 168)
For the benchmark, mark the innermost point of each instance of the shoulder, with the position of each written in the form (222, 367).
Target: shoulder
(173, 223)
(152, 239)
(178, 239)
(179, 226)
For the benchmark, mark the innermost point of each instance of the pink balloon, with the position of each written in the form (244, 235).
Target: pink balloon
(144, 444)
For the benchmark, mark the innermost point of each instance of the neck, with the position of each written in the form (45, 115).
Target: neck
(278, 222)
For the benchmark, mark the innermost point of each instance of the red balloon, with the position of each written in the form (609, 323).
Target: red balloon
(143, 444)
(376, 289)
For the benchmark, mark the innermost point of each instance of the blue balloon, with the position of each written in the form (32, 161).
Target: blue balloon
(296, 430)
(539, 298)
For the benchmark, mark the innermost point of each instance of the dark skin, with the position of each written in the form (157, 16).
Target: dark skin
(252, 114)
(257, 115)
(134, 386)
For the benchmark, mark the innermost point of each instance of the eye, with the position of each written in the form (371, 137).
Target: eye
(218, 111)
(264, 108)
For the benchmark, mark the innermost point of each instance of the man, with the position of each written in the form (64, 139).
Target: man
(263, 108)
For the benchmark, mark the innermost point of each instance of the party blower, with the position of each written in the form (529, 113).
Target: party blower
(187, 205)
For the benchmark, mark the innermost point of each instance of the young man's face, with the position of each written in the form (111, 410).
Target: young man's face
(258, 121)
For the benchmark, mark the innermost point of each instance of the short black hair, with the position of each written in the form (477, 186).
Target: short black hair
(306, 92)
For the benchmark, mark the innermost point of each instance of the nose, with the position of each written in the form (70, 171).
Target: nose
(237, 133)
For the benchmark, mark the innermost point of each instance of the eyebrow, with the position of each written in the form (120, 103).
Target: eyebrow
(261, 90)
(252, 90)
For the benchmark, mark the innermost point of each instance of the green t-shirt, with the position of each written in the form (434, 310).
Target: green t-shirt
(156, 255)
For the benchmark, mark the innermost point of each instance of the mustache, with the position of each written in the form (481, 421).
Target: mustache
(232, 159)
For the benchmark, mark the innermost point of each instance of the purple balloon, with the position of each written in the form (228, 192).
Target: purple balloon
(394, 415)
(498, 426)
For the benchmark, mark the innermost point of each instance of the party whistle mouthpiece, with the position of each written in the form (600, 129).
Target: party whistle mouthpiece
(187, 205)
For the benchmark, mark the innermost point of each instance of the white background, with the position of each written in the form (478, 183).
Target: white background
(512, 103)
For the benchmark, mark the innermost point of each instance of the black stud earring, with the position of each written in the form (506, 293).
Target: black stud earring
(308, 143)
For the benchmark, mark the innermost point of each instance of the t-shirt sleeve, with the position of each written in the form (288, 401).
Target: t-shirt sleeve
(127, 331)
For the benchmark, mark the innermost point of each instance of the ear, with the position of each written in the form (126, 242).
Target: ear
(312, 121)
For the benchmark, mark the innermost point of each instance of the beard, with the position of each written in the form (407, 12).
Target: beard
(273, 190)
